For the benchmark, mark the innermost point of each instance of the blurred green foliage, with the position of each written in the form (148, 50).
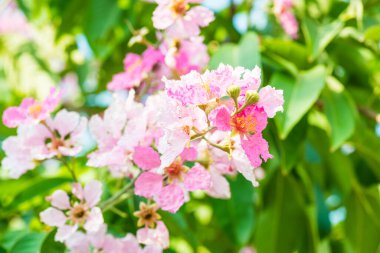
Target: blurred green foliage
(320, 192)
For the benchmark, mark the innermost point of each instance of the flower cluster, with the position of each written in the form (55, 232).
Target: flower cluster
(180, 50)
(176, 130)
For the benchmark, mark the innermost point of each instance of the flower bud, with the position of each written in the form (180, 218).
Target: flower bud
(233, 91)
(251, 97)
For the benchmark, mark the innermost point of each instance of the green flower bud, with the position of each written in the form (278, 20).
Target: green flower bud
(233, 91)
(251, 97)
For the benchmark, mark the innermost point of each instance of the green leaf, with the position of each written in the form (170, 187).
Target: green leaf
(227, 54)
(39, 188)
(318, 36)
(245, 54)
(101, 16)
(299, 95)
(249, 54)
(363, 224)
(30, 243)
(372, 33)
(296, 140)
(283, 224)
(367, 145)
(340, 112)
(237, 216)
(11, 237)
(286, 50)
(51, 246)
(242, 210)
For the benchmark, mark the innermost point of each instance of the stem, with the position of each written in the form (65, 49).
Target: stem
(225, 149)
(70, 169)
(369, 113)
(115, 199)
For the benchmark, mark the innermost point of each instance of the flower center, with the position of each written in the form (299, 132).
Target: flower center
(179, 7)
(35, 110)
(175, 171)
(147, 215)
(79, 213)
(244, 124)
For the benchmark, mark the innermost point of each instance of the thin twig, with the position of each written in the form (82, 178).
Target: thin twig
(115, 199)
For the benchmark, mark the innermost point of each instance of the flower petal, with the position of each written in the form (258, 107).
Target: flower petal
(92, 193)
(64, 232)
(60, 199)
(94, 220)
(171, 198)
(148, 184)
(53, 217)
(197, 179)
(146, 158)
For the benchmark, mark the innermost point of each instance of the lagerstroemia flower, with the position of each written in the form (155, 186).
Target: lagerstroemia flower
(118, 134)
(244, 114)
(179, 19)
(170, 188)
(136, 69)
(31, 111)
(55, 137)
(68, 216)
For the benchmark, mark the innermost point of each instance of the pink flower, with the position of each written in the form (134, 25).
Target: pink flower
(170, 187)
(62, 134)
(19, 151)
(186, 55)
(136, 69)
(118, 133)
(200, 89)
(158, 236)
(289, 23)
(174, 16)
(56, 137)
(249, 124)
(282, 10)
(31, 111)
(69, 217)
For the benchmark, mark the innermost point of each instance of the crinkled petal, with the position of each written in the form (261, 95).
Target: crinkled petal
(171, 198)
(148, 184)
(146, 158)
(197, 179)
(271, 100)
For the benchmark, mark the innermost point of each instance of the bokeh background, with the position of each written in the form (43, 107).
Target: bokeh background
(320, 193)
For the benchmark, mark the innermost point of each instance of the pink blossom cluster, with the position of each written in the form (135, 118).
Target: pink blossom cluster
(283, 12)
(179, 51)
(192, 130)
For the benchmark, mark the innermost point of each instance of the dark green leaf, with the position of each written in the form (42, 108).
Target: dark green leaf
(340, 112)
